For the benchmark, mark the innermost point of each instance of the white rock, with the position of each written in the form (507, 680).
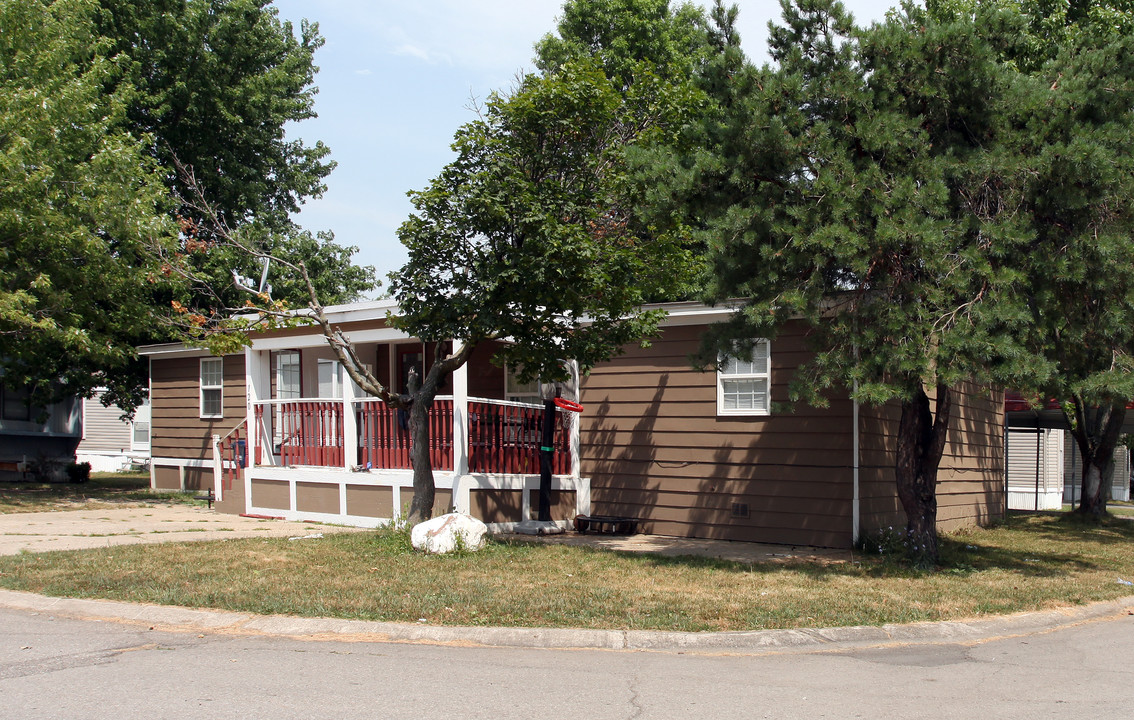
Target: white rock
(446, 533)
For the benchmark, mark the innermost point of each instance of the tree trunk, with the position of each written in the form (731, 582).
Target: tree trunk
(421, 507)
(921, 442)
(424, 491)
(1096, 430)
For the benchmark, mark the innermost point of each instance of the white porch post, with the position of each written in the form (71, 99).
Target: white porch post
(576, 421)
(258, 384)
(350, 424)
(218, 469)
(460, 417)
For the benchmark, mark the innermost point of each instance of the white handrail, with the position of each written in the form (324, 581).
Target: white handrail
(508, 403)
(372, 399)
(297, 400)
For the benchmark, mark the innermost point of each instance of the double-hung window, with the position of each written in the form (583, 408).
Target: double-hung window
(744, 381)
(212, 387)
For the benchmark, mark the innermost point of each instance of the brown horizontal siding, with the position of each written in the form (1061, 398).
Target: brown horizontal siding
(655, 449)
(176, 428)
(970, 480)
(809, 536)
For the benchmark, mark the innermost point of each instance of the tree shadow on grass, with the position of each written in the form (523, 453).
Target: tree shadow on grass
(116, 488)
(965, 554)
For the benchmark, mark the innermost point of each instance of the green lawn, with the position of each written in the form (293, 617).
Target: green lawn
(103, 490)
(1029, 562)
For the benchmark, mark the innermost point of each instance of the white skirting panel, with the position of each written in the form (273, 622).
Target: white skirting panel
(400, 482)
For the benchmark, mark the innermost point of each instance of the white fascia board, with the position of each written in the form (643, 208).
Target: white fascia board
(370, 310)
(688, 313)
(316, 339)
(694, 313)
(171, 350)
(349, 312)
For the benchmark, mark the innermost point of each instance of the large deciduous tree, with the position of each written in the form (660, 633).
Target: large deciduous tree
(530, 235)
(216, 83)
(82, 206)
(197, 89)
(852, 184)
(216, 80)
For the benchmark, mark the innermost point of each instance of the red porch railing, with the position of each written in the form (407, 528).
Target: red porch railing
(384, 436)
(504, 437)
(308, 432)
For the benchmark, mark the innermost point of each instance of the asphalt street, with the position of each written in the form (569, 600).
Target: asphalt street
(53, 666)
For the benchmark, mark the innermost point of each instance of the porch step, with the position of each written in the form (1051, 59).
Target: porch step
(606, 525)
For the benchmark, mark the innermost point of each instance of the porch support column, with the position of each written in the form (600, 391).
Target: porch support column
(350, 424)
(460, 417)
(258, 386)
(575, 421)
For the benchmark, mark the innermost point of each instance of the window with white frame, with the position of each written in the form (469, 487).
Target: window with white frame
(330, 374)
(140, 427)
(212, 387)
(744, 380)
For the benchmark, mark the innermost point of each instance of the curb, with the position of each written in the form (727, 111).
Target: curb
(170, 618)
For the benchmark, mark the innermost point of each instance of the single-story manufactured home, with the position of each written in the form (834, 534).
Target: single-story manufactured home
(279, 430)
(36, 442)
(111, 441)
(1045, 468)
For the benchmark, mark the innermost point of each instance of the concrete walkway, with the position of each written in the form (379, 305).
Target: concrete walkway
(84, 529)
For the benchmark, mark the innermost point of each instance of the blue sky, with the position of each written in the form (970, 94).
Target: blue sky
(395, 82)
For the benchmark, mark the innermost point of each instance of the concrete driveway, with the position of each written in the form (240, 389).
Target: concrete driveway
(82, 529)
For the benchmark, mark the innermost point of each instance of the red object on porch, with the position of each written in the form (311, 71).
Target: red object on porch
(505, 438)
(235, 455)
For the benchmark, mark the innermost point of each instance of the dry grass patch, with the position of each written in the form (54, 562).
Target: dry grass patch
(1028, 563)
(103, 491)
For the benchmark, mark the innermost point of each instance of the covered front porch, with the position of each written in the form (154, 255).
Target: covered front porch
(313, 447)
